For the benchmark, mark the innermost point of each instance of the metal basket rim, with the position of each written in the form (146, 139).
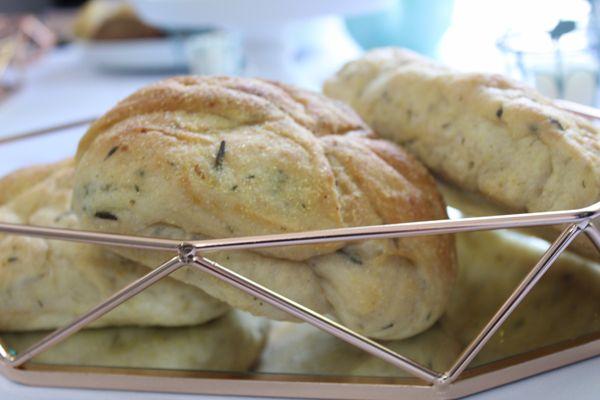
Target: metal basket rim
(190, 253)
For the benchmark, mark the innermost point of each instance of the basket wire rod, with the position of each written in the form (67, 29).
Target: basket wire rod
(580, 109)
(100, 238)
(315, 319)
(343, 234)
(44, 131)
(593, 233)
(411, 229)
(109, 304)
(420, 228)
(548, 258)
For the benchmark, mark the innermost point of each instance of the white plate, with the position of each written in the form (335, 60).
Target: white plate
(158, 54)
(243, 14)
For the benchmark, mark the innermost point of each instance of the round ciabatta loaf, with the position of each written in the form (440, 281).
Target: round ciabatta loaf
(212, 157)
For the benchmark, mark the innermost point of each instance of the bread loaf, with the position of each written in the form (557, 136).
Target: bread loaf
(45, 284)
(483, 133)
(216, 157)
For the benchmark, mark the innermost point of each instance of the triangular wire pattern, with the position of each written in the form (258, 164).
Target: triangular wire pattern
(188, 256)
(579, 220)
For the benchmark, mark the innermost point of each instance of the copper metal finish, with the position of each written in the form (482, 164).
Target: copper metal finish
(548, 258)
(579, 109)
(192, 254)
(593, 233)
(44, 131)
(317, 320)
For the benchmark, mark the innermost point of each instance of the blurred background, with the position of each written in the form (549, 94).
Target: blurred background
(64, 60)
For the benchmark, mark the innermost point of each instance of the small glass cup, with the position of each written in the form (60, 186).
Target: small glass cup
(565, 68)
(215, 53)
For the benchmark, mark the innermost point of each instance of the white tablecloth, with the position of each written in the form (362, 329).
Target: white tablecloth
(62, 89)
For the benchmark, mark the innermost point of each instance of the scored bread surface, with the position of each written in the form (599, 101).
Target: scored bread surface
(212, 157)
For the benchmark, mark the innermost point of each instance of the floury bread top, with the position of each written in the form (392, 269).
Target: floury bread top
(195, 157)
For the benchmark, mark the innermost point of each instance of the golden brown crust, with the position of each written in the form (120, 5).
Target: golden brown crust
(481, 132)
(18, 181)
(222, 157)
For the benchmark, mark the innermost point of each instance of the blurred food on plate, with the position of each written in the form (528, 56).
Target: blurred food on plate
(111, 20)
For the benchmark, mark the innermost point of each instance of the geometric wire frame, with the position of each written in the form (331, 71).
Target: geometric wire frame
(191, 253)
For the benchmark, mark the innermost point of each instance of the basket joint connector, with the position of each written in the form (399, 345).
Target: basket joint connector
(187, 253)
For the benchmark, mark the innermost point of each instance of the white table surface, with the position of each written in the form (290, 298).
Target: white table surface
(62, 89)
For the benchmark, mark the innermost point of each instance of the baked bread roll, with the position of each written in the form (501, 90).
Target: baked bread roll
(304, 349)
(111, 20)
(45, 284)
(563, 305)
(483, 133)
(233, 342)
(212, 157)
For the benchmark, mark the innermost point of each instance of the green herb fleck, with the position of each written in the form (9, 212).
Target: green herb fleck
(499, 112)
(137, 188)
(388, 326)
(568, 278)
(533, 128)
(557, 123)
(61, 216)
(519, 323)
(234, 188)
(111, 152)
(352, 257)
(281, 178)
(106, 215)
(220, 155)
(12, 259)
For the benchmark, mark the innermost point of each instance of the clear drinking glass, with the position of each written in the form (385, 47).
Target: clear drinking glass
(565, 68)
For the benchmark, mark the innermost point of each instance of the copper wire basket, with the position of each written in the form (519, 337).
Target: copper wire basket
(454, 382)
